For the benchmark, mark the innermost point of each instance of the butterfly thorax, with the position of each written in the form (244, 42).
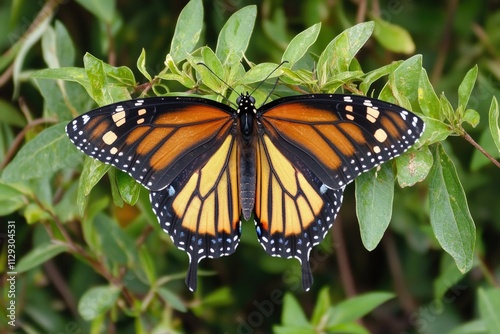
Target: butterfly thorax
(246, 114)
(246, 117)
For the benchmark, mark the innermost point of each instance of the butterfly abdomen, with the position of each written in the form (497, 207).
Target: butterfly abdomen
(247, 177)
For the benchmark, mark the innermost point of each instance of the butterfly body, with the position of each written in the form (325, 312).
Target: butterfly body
(207, 164)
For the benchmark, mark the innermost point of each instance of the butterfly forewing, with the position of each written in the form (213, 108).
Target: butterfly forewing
(153, 139)
(339, 136)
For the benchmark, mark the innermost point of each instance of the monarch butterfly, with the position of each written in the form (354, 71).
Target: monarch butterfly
(207, 164)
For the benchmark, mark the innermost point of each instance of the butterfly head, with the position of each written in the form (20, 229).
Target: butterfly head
(246, 111)
(246, 104)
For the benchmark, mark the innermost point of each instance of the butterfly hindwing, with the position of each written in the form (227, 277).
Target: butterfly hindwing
(340, 136)
(153, 139)
(200, 209)
(294, 210)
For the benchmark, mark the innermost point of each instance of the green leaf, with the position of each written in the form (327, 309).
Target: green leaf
(323, 303)
(75, 74)
(63, 100)
(92, 171)
(413, 166)
(97, 301)
(340, 52)
(11, 115)
(114, 243)
(39, 255)
(293, 315)
(235, 35)
(260, 72)
(141, 65)
(108, 84)
(403, 84)
(435, 131)
(489, 304)
(493, 122)
(374, 197)
(376, 74)
(293, 330)
(466, 87)
(171, 299)
(357, 307)
(115, 192)
(393, 37)
(212, 65)
(103, 9)
(11, 199)
(449, 212)
(471, 327)
(129, 188)
(29, 39)
(187, 30)
(427, 98)
(54, 45)
(147, 263)
(42, 156)
(472, 117)
(348, 327)
(449, 275)
(299, 45)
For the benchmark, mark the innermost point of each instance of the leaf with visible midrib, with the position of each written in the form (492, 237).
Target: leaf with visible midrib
(48, 152)
(449, 212)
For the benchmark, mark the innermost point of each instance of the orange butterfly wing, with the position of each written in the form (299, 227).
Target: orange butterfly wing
(310, 147)
(153, 139)
(200, 209)
(182, 149)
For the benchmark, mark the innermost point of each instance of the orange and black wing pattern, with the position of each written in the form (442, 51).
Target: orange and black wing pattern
(293, 208)
(200, 209)
(184, 151)
(153, 139)
(310, 147)
(339, 136)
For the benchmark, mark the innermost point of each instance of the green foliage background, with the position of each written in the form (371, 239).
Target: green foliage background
(89, 254)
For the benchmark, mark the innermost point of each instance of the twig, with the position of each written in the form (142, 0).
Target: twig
(482, 150)
(397, 273)
(444, 44)
(343, 261)
(19, 138)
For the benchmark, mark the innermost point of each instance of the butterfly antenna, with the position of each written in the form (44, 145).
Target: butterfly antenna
(218, 77)
(267, 77)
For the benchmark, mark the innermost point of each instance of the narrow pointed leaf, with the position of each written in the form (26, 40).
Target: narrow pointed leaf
(374, 197)
(187, 30)
(45, 154)
(235, 35)
(493, 122)
(449, 212)
(300, 44)
(489, 304)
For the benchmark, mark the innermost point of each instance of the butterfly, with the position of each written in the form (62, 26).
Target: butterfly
(209, 166)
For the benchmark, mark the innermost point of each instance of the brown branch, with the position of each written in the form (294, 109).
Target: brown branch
(394, 262)
(445, 42)
(342, 259)
(19, 138)
(59, 283)
(482, 150)
(77, 249)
